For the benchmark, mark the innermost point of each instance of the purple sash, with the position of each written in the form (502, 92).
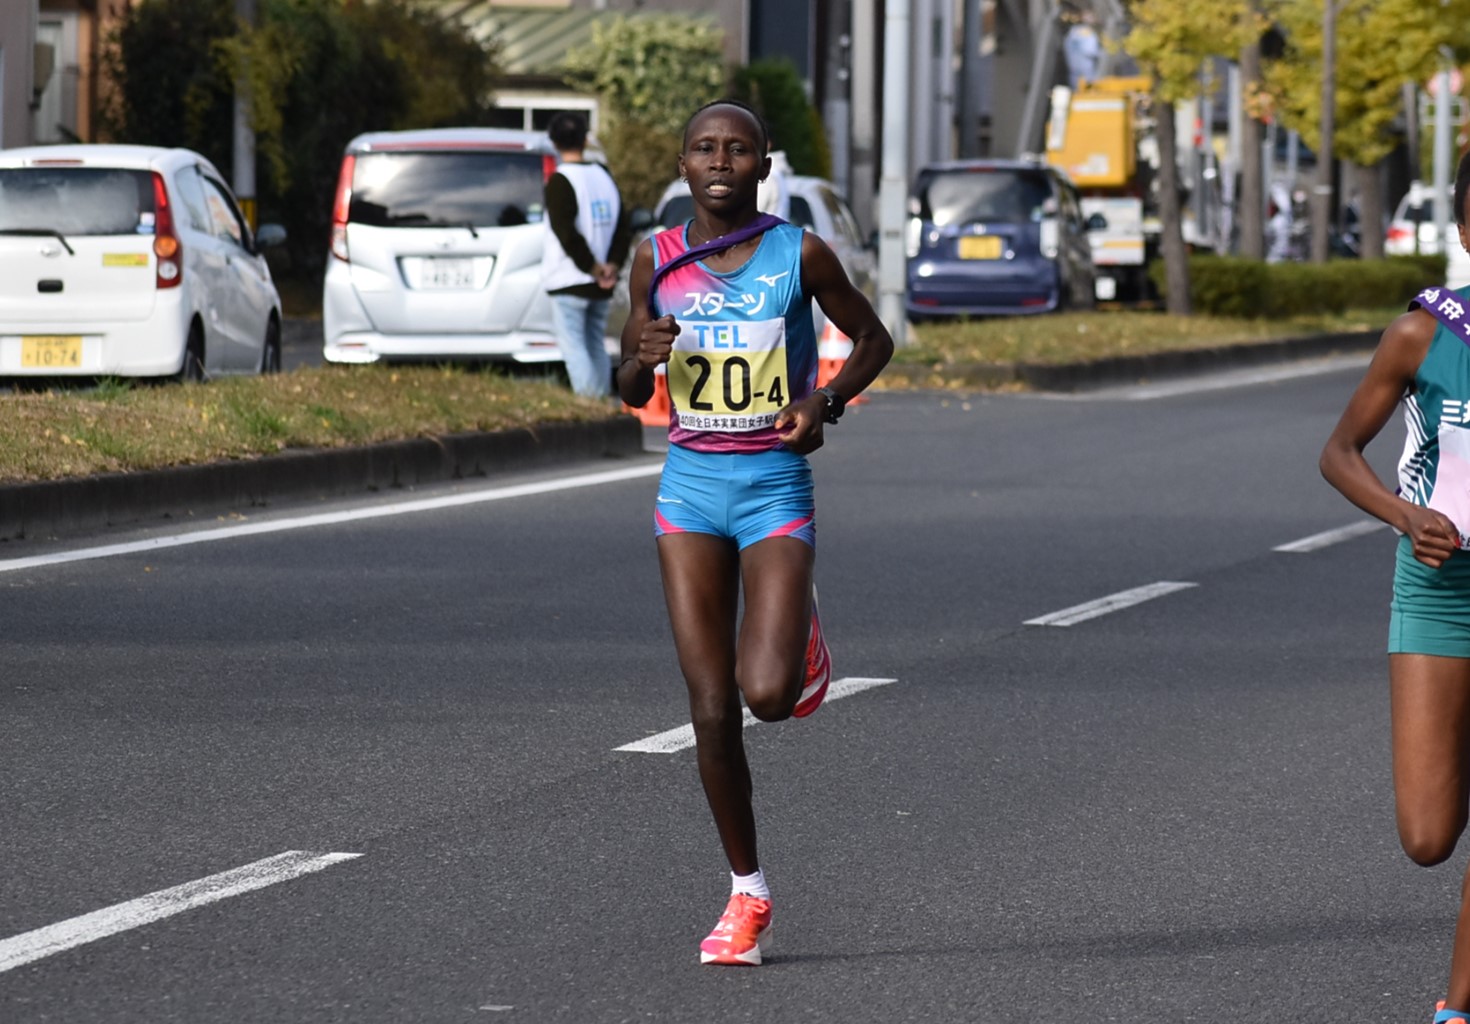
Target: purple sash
(763, 222)
(1448, 307)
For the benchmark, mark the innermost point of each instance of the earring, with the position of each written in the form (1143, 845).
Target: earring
(683, 177)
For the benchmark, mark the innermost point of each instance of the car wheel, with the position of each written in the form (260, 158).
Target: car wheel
(270, 356)
(193, 369)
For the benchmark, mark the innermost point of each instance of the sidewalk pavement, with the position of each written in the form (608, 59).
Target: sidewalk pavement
(90, 504)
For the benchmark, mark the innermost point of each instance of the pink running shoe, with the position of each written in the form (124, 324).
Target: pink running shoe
(1443, 1016)
(818, 667)
(743, 934)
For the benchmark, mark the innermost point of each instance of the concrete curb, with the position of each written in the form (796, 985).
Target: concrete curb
(83, 504)
(89, 503)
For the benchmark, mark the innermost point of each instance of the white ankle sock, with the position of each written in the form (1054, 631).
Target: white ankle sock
(751, 885)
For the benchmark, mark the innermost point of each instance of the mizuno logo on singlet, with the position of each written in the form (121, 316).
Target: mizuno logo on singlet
(769, 280)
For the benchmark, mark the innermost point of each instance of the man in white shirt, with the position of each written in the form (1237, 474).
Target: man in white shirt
(587, 238)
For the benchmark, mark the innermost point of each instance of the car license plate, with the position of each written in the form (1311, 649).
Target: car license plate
(45, 351)
(980, 247)
(447, 274)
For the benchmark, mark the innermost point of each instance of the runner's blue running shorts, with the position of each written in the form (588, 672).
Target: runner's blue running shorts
(744, 497)
(1430, 613)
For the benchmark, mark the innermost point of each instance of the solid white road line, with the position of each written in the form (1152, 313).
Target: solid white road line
(333, 518)
(99, 924)
(1112, 603)
(1327, 538)
(674, 740)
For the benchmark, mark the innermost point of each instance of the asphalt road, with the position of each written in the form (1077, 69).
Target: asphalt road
(1178, 811)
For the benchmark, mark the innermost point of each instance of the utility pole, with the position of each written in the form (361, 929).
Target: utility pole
(244, 156)
(1444, 104)
(1322, 191)
(864, 125)
(893, 187)
(1252, 173)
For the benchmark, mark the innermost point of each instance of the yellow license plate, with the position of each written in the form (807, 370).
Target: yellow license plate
(51, 352)
(980, 247)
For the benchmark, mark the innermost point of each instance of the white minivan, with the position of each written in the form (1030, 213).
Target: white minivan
(130, 261)
(436, 248)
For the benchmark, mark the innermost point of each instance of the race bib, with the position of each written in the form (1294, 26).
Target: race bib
(729, 377)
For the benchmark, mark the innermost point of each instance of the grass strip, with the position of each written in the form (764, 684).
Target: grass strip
(117, 427)
(968, 354)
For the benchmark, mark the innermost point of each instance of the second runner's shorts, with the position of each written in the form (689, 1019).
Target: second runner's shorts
(1431, 607)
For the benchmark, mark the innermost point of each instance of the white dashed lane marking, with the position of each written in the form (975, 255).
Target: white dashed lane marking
(78, 931)
(672, 741)
(1327, 538)
(1106, 605)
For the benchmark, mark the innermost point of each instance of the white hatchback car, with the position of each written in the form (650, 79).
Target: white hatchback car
(436, 248)
(130, 261)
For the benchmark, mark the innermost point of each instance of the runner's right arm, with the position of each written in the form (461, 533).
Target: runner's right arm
(646, 342)
(1400, 352)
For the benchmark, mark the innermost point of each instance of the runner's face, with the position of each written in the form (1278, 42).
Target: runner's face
(723, 159)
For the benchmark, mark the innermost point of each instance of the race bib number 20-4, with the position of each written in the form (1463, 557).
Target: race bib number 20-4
(729, 377)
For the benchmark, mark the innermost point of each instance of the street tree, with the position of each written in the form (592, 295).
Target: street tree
(1379, 47)
(1170, 42)
(320, 72)
(650, 73)
(773, 86)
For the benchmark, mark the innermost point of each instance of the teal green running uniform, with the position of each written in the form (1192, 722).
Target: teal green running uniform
(1430, 613)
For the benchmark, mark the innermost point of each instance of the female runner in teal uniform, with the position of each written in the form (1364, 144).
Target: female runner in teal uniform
(1427, 367)
(734, 334)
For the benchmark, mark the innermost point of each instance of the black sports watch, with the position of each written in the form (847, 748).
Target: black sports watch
(835, 404)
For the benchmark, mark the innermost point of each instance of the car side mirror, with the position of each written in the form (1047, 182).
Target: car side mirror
(269, 235)
(1097, 222)
(640, 219)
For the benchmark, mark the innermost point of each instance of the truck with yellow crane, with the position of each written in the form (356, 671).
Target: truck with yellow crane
(1101, 136)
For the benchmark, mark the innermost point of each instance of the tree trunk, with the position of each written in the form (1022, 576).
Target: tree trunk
(1171, 246)
(1370, 210)
(1250, 211)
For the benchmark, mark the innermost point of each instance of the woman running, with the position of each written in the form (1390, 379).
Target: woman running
(732, 324)
(1423, 359)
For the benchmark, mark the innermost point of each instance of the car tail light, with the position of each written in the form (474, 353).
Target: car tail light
(169, 265)
(340, 207)
(548, 167)
(1398, 234)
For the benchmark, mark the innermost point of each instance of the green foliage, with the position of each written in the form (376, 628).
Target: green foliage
(773, 86)
(1230, 287)
(655, 70)
(1170, 40)
(650, 73)
(1370, 70)
(320, 72)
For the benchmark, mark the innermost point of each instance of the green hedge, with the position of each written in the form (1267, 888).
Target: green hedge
(1228, 286)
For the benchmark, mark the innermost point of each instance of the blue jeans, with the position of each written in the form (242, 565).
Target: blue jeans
(580, 326)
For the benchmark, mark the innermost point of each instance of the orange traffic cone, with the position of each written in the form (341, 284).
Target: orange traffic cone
(833, 348)
(655, 413)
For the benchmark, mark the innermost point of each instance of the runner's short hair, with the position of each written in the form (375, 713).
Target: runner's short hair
(760, 122)
(568, 130)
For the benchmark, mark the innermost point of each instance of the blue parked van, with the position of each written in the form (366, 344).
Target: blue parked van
(996, 237)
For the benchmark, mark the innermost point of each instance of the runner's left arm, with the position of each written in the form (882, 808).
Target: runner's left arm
(824, 279)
